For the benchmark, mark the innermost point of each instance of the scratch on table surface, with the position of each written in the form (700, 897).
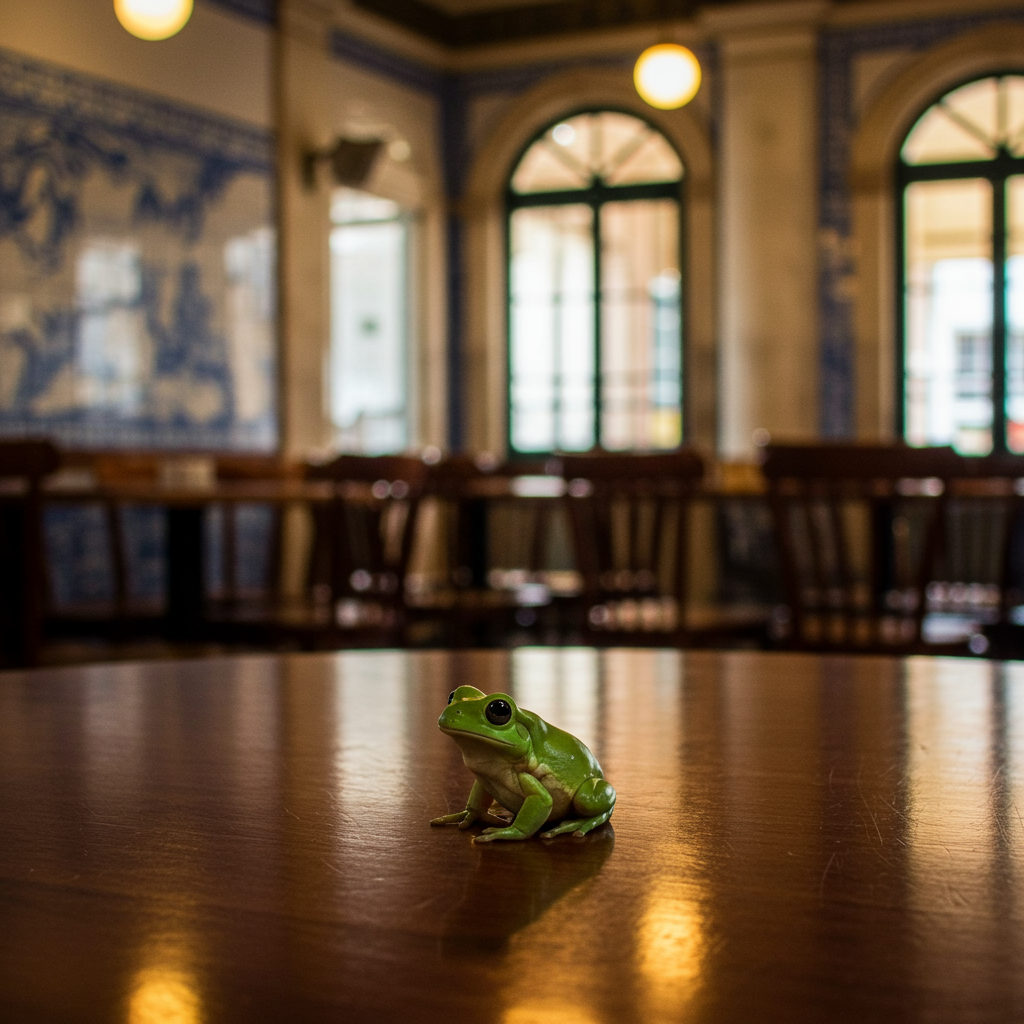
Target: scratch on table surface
(824, 874)
(333, 867)
(874, 821)
(895, 809)
(288, 810)
(426, 902)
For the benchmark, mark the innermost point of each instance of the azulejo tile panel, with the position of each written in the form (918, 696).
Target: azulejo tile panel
(137, 299)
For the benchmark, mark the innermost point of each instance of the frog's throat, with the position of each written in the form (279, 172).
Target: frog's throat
(475, 736)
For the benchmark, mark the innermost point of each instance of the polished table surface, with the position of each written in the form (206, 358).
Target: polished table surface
(797, 838)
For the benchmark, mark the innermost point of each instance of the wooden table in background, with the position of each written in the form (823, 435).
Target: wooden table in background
(797, 839)
(184, 555)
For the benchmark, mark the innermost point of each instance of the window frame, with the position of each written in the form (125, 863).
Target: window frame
(997, 171)
(406, 218)
(595, 196)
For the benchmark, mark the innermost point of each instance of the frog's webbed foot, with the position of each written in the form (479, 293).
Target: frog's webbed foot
(476, 810)
(461, 818)
(510, 832)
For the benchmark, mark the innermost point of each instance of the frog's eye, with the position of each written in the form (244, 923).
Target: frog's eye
(499, 712)
(451, 696)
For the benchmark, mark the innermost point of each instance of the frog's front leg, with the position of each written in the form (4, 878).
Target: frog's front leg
(534, 812)
(477, 806)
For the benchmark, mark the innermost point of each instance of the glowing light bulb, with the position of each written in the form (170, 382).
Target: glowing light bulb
(564, 134)
(153, 19)
(667, 76)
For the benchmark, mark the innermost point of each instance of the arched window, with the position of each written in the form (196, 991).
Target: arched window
(595, 324)
(961, 179)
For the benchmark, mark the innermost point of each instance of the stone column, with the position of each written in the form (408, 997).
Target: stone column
(768, 367)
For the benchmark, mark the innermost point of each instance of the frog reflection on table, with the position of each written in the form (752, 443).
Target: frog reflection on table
(518, 884)
(531, 769)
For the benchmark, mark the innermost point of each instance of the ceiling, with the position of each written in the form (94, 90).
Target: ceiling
(460, 7)
(462, 23)
(474, 22)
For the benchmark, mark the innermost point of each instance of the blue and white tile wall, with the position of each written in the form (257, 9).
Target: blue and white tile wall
(136, 268)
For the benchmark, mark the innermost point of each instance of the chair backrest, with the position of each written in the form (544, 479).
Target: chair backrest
(23, 464)
(457, 487)
(498, 522)
(364, 537)
(250, 534)
(860, 530)
(28, 460)
(629, 516)
(980, 570)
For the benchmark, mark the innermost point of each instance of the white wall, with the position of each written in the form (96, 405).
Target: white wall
(323, 98)
(769, 349)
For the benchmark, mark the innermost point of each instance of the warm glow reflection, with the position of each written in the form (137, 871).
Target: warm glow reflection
(953, 837)
(560, 686)
(163, 997)
(670, 942)
(547, 1012)
(153, 19)
(373, 750)
(667, 76)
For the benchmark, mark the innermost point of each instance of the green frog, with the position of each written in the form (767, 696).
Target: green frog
(537, 772)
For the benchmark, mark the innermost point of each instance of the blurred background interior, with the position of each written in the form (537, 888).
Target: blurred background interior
(363, 323)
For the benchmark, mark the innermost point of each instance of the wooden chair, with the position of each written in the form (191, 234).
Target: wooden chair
(125, 600)
(112, 509)
(979, 577)
(492, 576)
(629, 516)
(23, 465)
(861, 531)
(233, 533)
(363, 542)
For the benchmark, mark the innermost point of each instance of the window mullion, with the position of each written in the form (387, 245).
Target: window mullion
(901, 310)
(999, 315)
(598, 375)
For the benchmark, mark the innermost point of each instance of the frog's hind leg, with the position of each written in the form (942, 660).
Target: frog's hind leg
(579, 827)
(594, 801)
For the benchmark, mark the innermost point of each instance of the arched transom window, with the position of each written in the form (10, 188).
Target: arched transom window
(962, 188)
(595, 324)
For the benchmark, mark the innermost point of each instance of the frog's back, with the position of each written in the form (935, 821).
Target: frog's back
(569, 758)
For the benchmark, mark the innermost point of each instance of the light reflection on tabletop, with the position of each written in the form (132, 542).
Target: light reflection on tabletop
(795, 838)
(163, 997)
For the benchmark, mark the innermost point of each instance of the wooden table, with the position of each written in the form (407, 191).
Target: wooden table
(185, 604)
(797, 839)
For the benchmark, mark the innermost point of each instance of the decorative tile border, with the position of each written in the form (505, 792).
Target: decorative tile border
(264, 11)
(29, 84)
